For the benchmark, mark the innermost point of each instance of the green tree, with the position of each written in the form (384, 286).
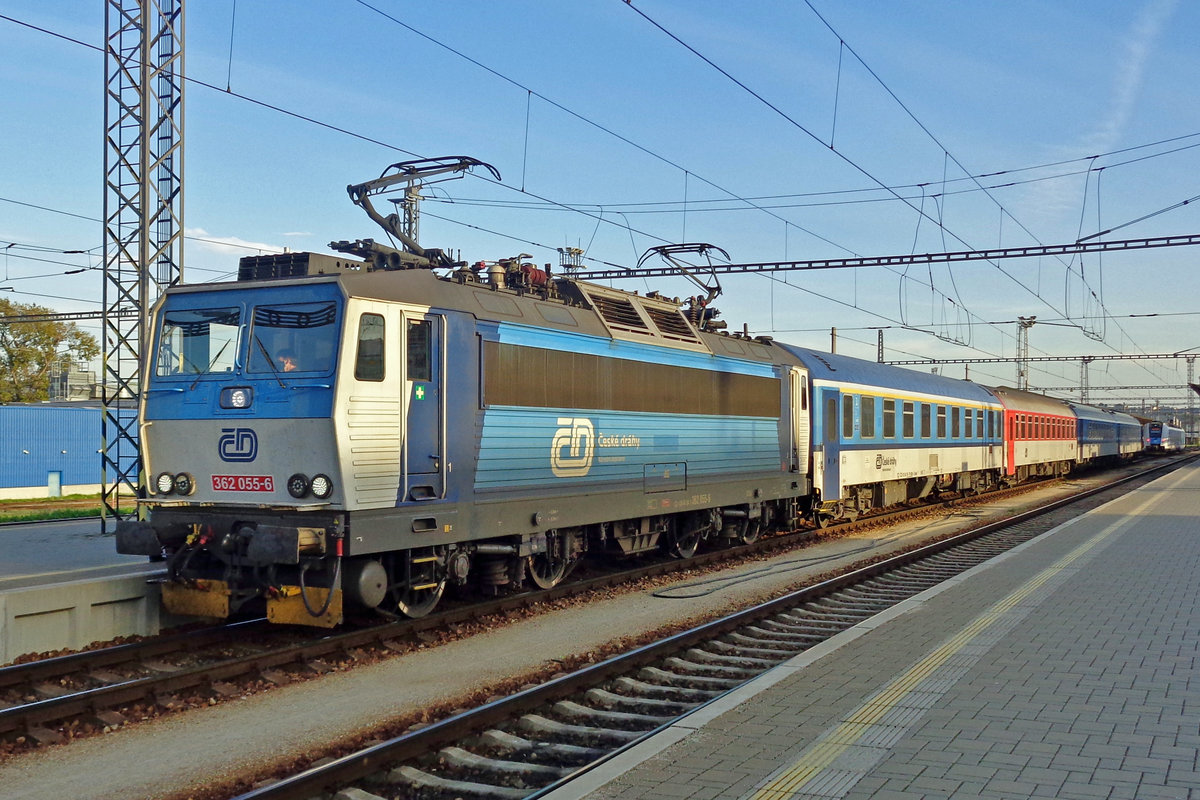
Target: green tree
(29, 349)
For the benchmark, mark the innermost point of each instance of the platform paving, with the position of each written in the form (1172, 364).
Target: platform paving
(1068, 668)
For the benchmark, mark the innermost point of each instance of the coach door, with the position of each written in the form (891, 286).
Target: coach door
(831, 451)
(424, 452)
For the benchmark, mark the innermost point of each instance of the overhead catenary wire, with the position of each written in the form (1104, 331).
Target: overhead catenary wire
(599, 218)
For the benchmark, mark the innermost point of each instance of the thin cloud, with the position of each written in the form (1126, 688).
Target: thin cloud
(223, 244)
(1131, 70)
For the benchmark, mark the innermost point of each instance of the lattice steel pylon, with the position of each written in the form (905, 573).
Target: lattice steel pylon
(1191, 399)
(1023, 326)
(143, 217)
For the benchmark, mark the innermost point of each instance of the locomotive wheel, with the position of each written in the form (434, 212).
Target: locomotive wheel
(684, 545)
(420, 583)
(418, 601)
(822, 521)
(547, 569)
(751, 531)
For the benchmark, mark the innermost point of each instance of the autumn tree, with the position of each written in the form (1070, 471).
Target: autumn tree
(28, 351)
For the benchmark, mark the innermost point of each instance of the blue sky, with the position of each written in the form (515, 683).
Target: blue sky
(1089, 109)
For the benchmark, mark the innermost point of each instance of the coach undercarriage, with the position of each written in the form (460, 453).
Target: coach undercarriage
(862, 498)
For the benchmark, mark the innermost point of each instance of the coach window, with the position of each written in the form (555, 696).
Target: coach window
(868, 417)
(847, 416)
(909, 417)
(831, 427)
(368, 362)
(926, 411)
(889, 419)
(955, 424)
(969, 421)
(941, 422)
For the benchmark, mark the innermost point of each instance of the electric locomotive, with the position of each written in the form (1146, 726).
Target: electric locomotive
(359, 431)
(1162, 436)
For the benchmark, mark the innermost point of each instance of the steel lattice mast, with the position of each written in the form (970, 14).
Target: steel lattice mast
(143, 216)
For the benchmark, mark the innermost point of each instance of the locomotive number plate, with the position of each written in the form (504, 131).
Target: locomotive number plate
(243, 483)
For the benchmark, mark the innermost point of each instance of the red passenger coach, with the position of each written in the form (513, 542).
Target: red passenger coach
(1039, 434)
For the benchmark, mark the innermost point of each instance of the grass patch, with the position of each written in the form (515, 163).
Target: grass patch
(26, 515)
(51, 501)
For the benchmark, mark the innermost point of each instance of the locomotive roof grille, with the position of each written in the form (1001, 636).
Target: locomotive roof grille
(670, 323)
(619, 313)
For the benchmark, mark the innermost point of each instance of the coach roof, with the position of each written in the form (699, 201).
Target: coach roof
(837, 368)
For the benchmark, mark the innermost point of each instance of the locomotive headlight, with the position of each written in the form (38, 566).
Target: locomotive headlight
(164, 483)
(184, 484)
(237, 397)
(322, 486)
(297, 485)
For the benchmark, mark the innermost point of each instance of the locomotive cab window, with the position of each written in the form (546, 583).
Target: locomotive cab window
(368, 360)
(420, 366)
(296, 337)
(197, 341)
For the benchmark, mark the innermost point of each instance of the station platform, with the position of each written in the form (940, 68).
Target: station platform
(63, 586)
(1067, 668)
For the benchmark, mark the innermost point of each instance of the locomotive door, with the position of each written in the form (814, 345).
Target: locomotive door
(798, 391)
(424, 376)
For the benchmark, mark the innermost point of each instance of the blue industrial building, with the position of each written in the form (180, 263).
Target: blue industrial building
(48, 450)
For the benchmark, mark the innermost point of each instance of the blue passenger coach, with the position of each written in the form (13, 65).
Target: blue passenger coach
(883, 434)
(1106, 435)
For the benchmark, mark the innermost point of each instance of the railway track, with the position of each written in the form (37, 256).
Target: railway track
(531, 742)
(50, 700)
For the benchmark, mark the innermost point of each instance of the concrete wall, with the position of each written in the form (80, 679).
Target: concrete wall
(73, 615)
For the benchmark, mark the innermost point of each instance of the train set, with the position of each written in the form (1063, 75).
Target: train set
(360, 431)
